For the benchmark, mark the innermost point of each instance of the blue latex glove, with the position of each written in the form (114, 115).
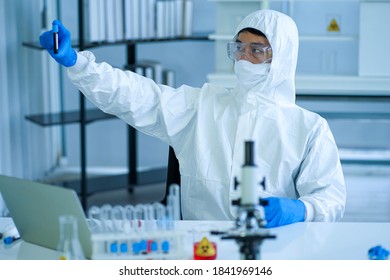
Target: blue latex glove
(283, 211)
(66, 54)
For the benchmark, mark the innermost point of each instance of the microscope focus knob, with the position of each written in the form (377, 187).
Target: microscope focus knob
(236, 202)
(262, 183)
(236, 183)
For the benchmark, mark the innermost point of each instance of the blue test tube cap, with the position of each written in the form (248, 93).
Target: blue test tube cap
(143, 246)
(153, 246)
(136, 247)
(123, 247)
(114, 247)
(55, 28)
(165, 247)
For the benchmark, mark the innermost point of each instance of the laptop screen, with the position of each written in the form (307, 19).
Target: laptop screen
(35, 209)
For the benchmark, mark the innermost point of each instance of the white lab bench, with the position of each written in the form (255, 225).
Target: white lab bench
(301, 241)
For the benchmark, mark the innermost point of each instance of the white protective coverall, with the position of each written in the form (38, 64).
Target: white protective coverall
(208, 126)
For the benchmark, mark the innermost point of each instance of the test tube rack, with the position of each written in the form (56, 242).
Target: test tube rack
(143, 231)
(159, 245)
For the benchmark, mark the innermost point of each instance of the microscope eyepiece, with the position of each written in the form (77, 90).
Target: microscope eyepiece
(249, 154)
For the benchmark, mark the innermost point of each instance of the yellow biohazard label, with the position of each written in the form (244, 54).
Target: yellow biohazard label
(205, 248)
(333, 26)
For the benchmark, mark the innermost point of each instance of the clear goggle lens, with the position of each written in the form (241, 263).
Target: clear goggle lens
(256, 53)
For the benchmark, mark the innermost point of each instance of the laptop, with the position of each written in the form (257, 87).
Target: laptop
(35, 209)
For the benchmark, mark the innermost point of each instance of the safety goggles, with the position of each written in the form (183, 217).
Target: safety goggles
(255, 53)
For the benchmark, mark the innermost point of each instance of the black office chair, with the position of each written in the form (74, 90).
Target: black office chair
(173, 173)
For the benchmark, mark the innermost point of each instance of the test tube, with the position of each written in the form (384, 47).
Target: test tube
(55, 38)
(130, 227)
(150, 218)
(159, 214)
(118, 218)
(94, 219)
(130, 218)
(140, 215)
(105, 217)
(166, 244)
(169, 214)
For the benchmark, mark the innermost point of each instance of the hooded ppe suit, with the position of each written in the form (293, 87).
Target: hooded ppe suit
(207, 128)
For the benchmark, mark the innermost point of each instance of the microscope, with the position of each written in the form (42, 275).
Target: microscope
(249, 231)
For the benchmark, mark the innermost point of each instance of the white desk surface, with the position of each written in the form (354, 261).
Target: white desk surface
(301, 241)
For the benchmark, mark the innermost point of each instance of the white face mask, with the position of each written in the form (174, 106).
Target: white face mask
(249, 74)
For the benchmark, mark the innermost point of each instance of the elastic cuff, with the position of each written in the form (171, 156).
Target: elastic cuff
(309, 211)
(81, 62)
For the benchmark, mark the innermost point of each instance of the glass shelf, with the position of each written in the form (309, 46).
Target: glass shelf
(88, 45)
(119, 181)
(68, 117)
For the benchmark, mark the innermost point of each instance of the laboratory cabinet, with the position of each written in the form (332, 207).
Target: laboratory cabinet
(329, 32)
(338, 74)
(85, 116)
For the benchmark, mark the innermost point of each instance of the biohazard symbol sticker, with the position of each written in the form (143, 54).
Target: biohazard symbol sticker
(333, 26)
(205, 250)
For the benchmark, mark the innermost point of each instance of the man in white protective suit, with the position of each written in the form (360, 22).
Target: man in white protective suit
(208, 126)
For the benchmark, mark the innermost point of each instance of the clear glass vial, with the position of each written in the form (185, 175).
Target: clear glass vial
(69, 245)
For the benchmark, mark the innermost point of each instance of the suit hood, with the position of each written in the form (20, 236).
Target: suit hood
(282, 33)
